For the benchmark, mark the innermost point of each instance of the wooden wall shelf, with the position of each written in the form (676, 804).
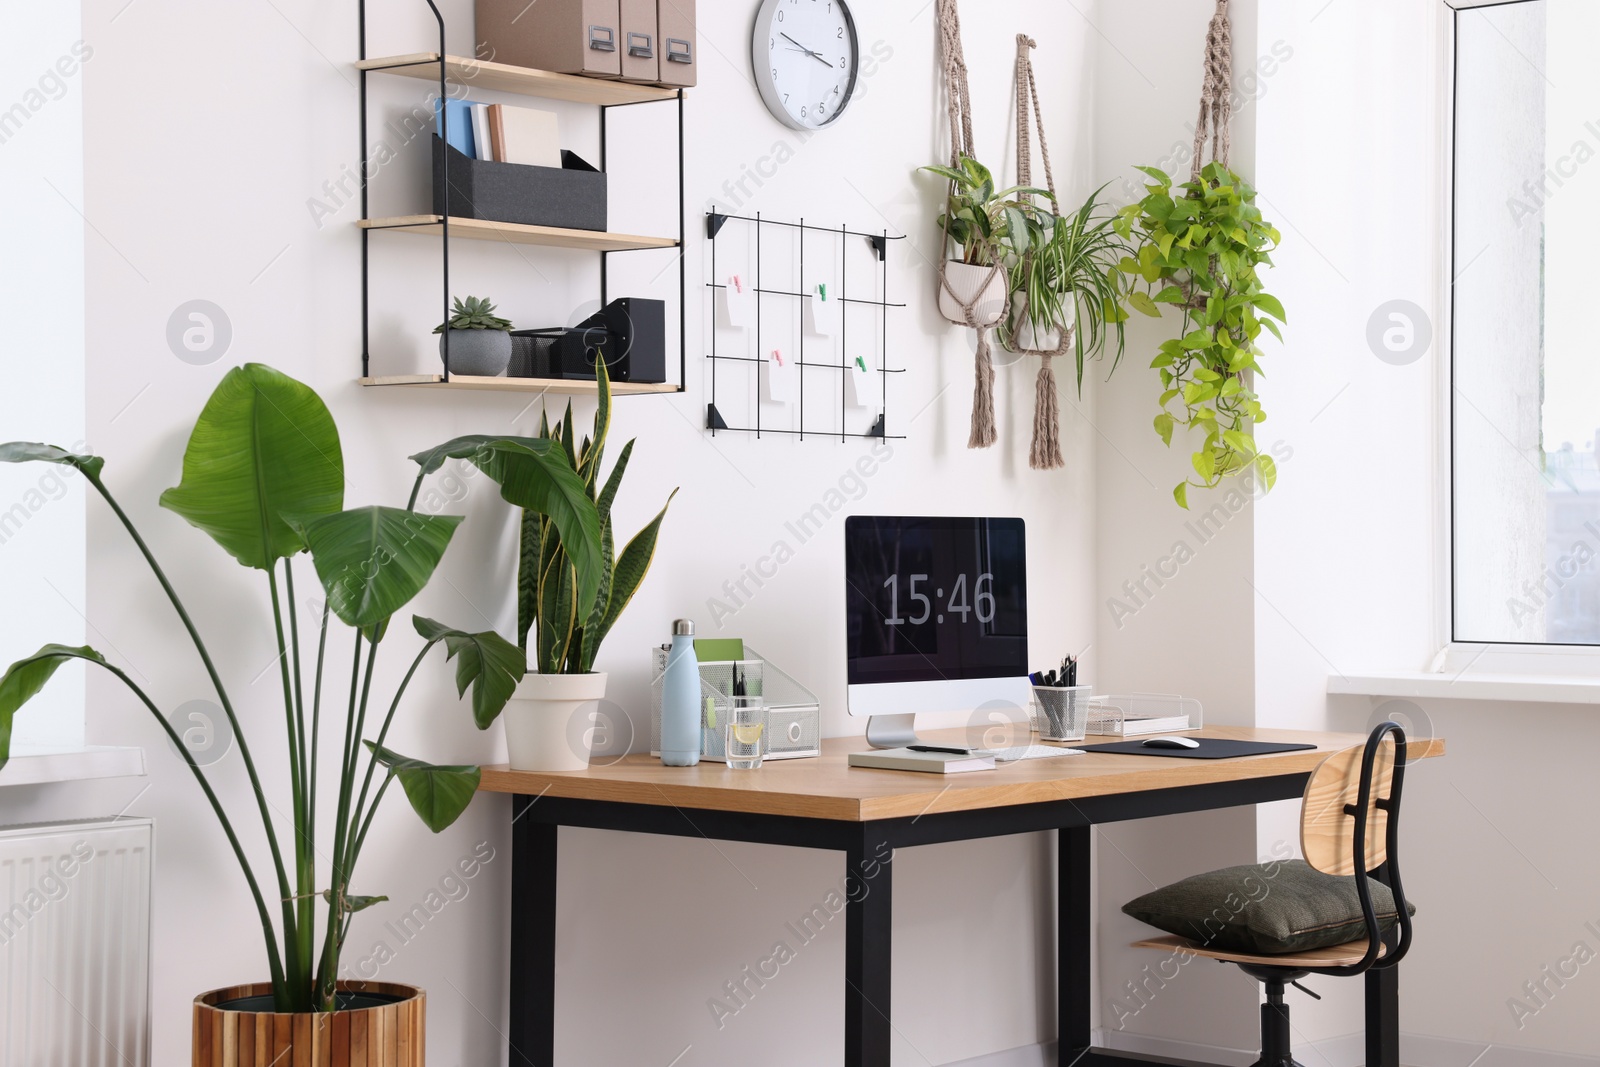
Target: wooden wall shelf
(516, 233)
(525, 80)
(559, 386)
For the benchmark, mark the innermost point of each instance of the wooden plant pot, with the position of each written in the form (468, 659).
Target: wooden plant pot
(236, 1027)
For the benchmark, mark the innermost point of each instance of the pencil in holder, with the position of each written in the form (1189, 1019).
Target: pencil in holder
(1061, 713)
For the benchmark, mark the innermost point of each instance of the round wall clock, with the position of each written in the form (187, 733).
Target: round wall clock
(806, 55)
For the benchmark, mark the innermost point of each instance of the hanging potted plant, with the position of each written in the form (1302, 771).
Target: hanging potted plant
(1199, 247)
(1066, 282)
(263, 476)
(977, 220)
(570, 590)
(479, 341)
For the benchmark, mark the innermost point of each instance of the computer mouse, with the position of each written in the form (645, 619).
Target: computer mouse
(1170, 742)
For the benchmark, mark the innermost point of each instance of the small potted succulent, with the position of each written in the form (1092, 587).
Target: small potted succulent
(479, 340)
(978, 219)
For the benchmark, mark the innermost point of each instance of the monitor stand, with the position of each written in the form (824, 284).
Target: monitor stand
(892, 731)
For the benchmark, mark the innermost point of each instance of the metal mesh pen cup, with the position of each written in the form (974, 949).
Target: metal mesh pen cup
(1061, 713)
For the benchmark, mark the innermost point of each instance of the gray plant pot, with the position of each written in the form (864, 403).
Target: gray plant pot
(481, 353)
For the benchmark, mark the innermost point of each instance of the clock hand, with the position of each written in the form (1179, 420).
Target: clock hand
(814, 55)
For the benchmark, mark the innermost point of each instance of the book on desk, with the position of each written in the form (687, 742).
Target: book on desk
(904, 759)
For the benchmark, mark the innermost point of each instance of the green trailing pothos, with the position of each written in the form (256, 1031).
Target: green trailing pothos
(263, 475)
(571, 583)
(1198, 248)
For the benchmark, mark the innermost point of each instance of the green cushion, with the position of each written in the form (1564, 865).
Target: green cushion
(1267, 909)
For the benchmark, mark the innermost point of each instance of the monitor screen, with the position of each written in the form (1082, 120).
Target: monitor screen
(935, 599)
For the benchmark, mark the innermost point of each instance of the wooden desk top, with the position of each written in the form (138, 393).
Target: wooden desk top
(826, 787)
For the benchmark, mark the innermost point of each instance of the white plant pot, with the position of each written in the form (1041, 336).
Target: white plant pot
(983, 288)
(550, 722)
(1024, 339)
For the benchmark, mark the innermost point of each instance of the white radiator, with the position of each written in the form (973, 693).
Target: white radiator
(75, 944)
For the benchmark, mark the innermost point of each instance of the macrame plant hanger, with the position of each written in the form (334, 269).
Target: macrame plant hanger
(960, 107)
(1045, 452)
(1216, 94)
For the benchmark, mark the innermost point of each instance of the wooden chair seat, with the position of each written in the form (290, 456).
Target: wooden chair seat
(1345, 955)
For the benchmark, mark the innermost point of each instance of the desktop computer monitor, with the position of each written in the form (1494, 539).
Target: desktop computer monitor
(936, 618)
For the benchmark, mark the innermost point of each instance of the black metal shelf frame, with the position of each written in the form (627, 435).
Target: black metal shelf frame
(444, 236)
(715, 221)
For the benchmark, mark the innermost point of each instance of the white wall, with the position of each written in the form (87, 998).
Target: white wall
(1170, 619)
(208, 130)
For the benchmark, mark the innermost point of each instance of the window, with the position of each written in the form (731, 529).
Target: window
(1525, 359)
(42, 508)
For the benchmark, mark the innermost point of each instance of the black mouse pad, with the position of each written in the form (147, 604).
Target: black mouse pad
(1210, 748)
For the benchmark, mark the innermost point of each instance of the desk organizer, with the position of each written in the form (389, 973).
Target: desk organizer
(572, 196)
(794, 715)
(1061, 713)
(1119, 715)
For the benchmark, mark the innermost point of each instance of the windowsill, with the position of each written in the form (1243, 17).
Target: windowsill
(1525, 688)
(36, 766)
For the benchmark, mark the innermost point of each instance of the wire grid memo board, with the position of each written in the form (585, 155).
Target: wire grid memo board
(826, 391)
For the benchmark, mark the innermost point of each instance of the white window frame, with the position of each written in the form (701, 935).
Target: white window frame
(1535, 661)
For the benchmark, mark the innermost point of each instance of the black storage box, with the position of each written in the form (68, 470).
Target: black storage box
(573, 196)
(639, 327)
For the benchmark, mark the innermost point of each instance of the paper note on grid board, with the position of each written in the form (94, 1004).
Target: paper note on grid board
(736, 304)
(824, 310)
(781, 377)
(862, 386)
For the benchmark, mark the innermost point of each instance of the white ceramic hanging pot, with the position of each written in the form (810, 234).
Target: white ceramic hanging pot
(1024, 338)
(550, 722)
(981, 288)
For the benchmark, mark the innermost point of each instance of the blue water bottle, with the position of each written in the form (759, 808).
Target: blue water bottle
(680, 700)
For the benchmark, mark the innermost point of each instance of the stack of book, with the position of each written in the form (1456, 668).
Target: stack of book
(502, 134)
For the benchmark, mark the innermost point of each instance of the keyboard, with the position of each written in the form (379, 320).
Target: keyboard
(1016, 752)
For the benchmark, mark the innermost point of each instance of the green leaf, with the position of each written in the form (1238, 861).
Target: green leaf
(438, 794)
(373, 560)
(1140, 301)
(1158, 175)
(33, 452)
(632, 566)
(1204, 465)
(24, 678)
(264, 448)
(487, 662)
(528, 549)
(1270, 305)
(1163, 424)
(1181, 494)
(1268, 470)
(1239, 441)
(535, 475)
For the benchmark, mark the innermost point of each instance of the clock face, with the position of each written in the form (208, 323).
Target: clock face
(805, 54)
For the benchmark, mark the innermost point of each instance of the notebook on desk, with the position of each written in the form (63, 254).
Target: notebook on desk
(903, 759)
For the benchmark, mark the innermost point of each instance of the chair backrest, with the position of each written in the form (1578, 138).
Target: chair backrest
(1327, 819)
(1349, 824)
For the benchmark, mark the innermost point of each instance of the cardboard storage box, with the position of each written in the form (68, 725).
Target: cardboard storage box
(566, 36)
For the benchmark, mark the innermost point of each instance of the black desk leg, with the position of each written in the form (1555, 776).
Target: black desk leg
(1074, 947)
(868, 914)
(533, 939)
(1383, 1017)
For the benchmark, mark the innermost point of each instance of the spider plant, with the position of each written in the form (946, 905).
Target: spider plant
(1067, 271)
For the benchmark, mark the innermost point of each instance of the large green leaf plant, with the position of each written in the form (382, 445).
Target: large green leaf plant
(263, 475)
(572, 584)
(1198, 247)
